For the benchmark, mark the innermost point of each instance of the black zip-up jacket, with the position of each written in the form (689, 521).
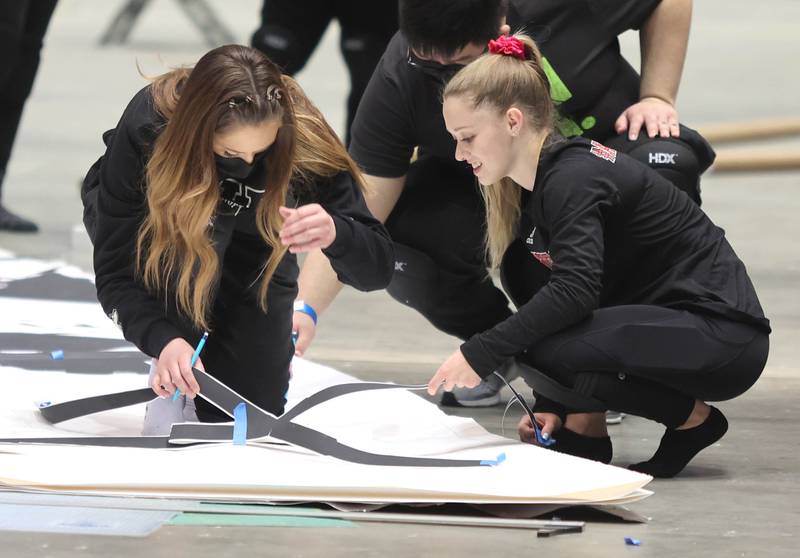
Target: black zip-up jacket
(115, 206)
(614, 232)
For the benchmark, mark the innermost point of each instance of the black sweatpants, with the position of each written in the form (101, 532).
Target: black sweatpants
(291, 29)
(23, 24)
(440, 269)
(652, 361)
(438, 229)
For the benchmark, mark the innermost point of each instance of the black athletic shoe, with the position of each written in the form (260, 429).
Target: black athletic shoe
(12, 222)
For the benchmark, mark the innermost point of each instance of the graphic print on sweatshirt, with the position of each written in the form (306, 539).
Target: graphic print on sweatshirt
(600, 150)
(236, 196)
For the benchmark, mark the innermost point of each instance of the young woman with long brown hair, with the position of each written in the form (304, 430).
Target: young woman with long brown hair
(646, 308)
(214, 178)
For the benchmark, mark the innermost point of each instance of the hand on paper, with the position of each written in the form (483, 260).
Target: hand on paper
(658, 117)
(455, 372)
(174, 370)
(306, 228)
(548, 423)
(304, 327)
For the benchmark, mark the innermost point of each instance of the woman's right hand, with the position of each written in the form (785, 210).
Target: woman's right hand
(174, 370)
(548, 423)
(303, 325)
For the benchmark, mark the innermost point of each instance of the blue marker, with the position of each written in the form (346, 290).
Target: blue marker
(195, 356)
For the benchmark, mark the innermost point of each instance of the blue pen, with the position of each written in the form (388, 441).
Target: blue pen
(195, 356)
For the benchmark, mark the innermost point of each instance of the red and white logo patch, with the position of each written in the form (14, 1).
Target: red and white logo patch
(544, 259)
(600, 150)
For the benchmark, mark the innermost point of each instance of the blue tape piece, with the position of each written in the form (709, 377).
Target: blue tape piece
(57, 355)
(543, 439)
(240, 424)
(494, 462)
(632, 542)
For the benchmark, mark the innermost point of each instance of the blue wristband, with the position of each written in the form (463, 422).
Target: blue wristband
(301, 306)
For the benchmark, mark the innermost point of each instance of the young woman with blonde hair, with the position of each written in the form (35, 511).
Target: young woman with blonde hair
(646, 308)
(214, 178)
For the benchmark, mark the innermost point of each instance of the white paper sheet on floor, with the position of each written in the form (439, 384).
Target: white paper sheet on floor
(387, 421)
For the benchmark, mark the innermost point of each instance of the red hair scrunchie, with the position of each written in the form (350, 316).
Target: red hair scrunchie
(508, 46)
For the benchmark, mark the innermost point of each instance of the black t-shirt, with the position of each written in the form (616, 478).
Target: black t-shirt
(590, 81)
(614, 232)
(114, 191)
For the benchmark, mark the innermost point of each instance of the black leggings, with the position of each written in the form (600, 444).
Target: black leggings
(652, 361)
(291, 29)
(22, 27)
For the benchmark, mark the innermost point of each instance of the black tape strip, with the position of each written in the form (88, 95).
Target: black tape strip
(90, 405)
(318, 442)
(202, 431)
(149, 442)
(260, 424)
(337, 390)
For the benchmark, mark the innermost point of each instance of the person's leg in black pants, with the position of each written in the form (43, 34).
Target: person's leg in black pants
(367, 27)
(658, 363)
(22, 28)
(440, 268)
(437, 226)
(290, 31)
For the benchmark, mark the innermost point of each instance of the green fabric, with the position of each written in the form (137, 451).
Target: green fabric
(558, 89)
(568, 127)
(244, 520)
(588, 122)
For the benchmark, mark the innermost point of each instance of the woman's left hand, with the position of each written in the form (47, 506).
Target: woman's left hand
(307, 228)
(455, 372)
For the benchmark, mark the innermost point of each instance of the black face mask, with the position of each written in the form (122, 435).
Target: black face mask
(440, 72)
(234, 167)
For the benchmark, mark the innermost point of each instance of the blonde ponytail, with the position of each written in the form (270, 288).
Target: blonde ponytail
(510, 75)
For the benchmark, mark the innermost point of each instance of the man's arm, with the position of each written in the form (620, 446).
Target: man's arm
(663, 41)
(317, 282)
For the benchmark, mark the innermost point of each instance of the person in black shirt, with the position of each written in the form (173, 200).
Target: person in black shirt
(23, 24)
(646, 308)
(291, 29)
(431, 205)
(214, 178)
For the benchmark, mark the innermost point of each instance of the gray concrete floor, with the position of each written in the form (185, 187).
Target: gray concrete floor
(739, 497)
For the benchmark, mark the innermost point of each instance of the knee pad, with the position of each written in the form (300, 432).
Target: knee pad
(680, 160)
(415, 281)
(458, 306)
(281, 47)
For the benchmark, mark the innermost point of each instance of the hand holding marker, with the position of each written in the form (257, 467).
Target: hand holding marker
(195, 356)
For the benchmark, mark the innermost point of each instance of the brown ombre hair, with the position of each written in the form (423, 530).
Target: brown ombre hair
(229, 86)
(501, 82)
